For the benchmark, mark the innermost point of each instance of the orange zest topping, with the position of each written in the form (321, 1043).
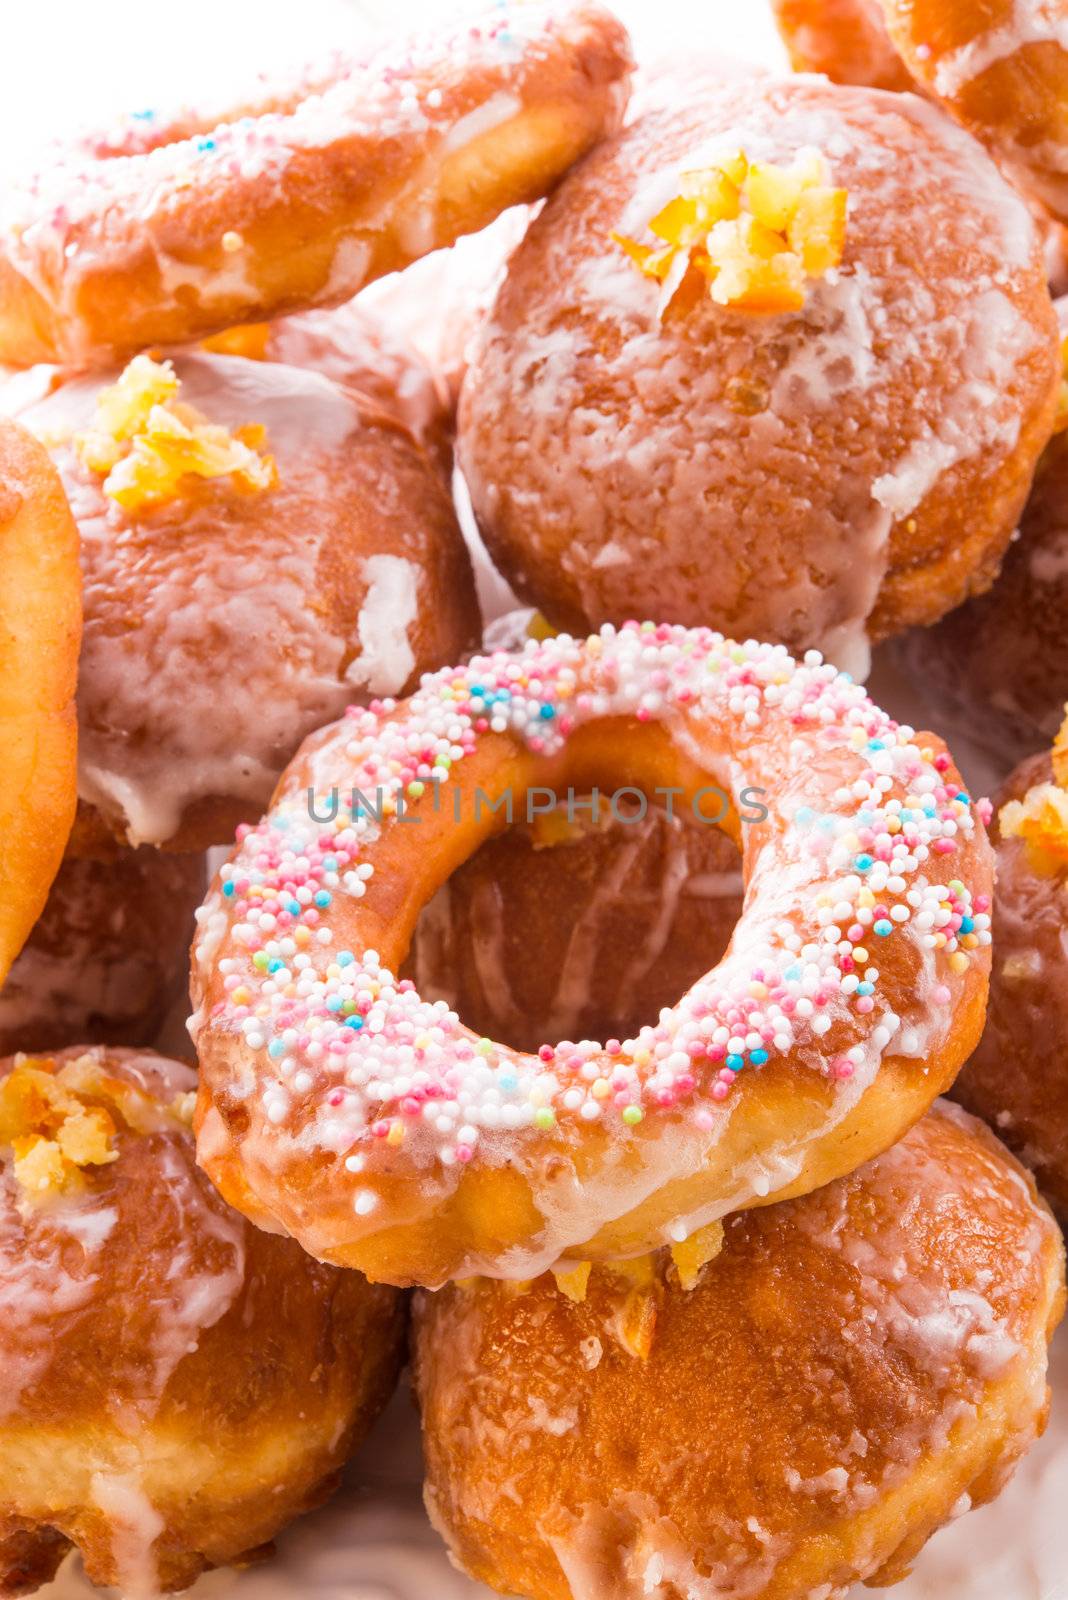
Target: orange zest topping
(753, 233)
(147, 444)
(1040, 819)
(60, 1121)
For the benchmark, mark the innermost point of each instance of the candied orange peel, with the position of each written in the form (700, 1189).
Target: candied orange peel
(756, 234)
(60, 1122)
(147, 444)
(1040, 819)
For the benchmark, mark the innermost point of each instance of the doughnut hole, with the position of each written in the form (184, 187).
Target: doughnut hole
(846, 40)
(572, 926)
(825, 477)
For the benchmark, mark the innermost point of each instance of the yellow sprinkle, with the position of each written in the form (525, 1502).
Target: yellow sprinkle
(958, 961)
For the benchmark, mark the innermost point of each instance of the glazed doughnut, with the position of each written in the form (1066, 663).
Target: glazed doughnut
(859, 462)
(382, 1133)
(1001, 69)
(302, 205)
(354, 346)
(851, 1371)
(846, 40)
(108, 955)
(996, 670)
(40, 626)
(1018, 1077)
(176, 1386)
(534, 937)
(325, 565)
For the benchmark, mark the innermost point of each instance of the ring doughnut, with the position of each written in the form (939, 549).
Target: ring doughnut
(380, 1132)
(300, 207)
(846, 40)
(490, 941)
(108, 955)
(859, 444)
(1017, 1080)
(175, 1386)
(1000, 69)
(40, 625)
(326, 565)
(354, 347)
(995, 670)
(851, 1371)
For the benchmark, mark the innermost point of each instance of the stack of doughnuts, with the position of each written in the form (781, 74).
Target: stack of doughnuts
(597, 979)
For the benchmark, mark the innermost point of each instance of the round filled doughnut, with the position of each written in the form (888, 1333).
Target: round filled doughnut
(1017, 1080)
(254, 537)
(534, 937)
(40, 627)
(175, 1386)
(372, 1125)
(996, 669)
(108, 955)
(779, 358)
(1001, 69)
(354, 346)
(300, 206)
(846, 40)
(852, 1370)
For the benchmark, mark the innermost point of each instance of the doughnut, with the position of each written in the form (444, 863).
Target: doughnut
(176, 1385)
(852, 1370)
(40, 625)
(996, 669)
(1001, 69)
(237, 595)
(533, 938)
(372, 1125)
(1017, 1080)
(356, 347)
(859, 438)
(846, 40)
(108, 955)
(303, 204)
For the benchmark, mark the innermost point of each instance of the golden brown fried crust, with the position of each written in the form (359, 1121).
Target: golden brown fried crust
(40, 628)
(1017, 1080)
(833, 456)
(847, 1368)
(107, 956)
(176, 1385)
(262, 602)
(996, 668)
(1001, 79)
(586, 937)
(424, 142)
(845, 39)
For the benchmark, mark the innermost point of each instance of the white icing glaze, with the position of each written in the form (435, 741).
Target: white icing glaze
(201, 603)
(1031, 22)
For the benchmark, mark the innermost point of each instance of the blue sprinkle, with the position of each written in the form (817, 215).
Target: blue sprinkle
(967, 924)
(735, 1063)
(334, 1002)
(294, 908)
(804, 817)
(345, 958)
(547, 713)
(865, 988)
(205, 144)
(792, 974)
(323, 899)
(143, 116)
(882, 927)
(477, 689)
(354, 1022)
(863, 863)
(228, 888)
(758, 1057)
(329, 864)
(508, 1082)
(275, 1049)
(276, 965)
(876, 744)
